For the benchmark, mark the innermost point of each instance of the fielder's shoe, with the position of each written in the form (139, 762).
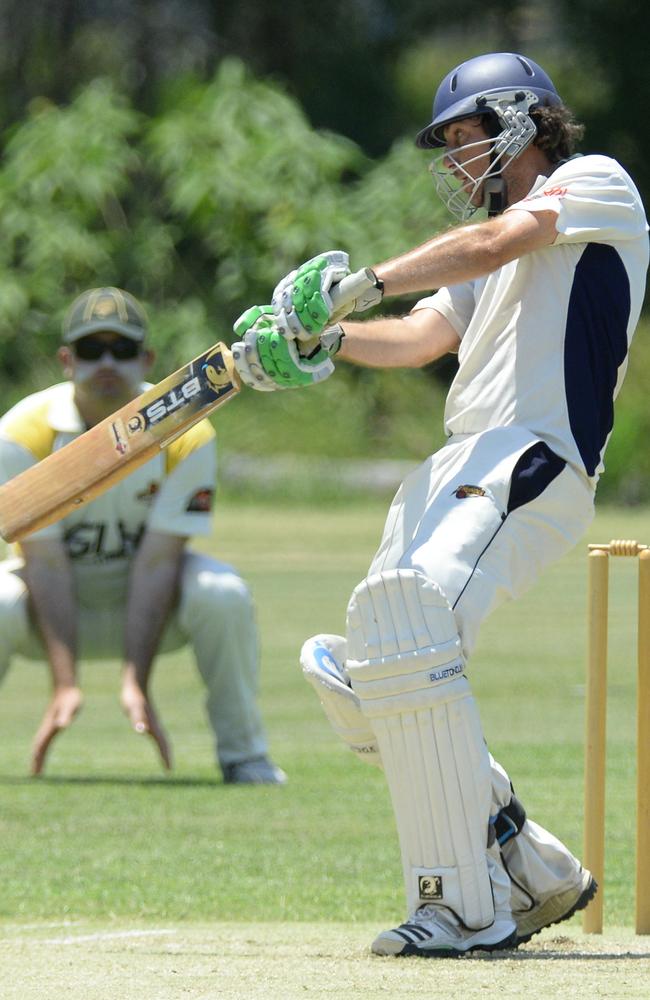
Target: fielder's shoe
(256, 771)
(556, 908)
(436, 933)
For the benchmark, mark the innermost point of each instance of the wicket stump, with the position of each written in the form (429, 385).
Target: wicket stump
(595, 743)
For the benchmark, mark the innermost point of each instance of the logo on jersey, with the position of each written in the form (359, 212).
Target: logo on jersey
(552, 192)
(429, 887)
(101, 541)
(463, 492)
(119, 440)
(201, 501)
(147, 495)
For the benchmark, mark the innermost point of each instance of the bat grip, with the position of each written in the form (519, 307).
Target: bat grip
(348, 290)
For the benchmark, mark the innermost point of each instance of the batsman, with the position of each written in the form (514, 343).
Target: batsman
(539, 301)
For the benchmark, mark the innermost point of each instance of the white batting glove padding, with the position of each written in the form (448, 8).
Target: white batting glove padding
(284, 298)
(247, 363)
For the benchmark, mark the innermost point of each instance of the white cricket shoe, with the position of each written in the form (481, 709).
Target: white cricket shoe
(437, 933)
(555, 907)
(256, 771)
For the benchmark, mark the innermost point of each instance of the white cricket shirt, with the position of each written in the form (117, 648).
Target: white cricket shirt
(545, 338)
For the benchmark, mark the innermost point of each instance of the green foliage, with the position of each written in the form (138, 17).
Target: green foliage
(199, 210)
(627, 461)
(251, 183)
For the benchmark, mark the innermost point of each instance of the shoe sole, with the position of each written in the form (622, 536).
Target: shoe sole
(508, 944)
(583, 899)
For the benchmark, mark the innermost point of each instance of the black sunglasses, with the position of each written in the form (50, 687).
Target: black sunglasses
(93, 348)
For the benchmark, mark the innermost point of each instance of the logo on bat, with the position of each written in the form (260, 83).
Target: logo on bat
(216, 372)
(119, 441)
(135, 424)
(167, 404)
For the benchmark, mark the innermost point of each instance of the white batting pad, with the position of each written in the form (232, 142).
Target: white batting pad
(322, 659)
(403, 634)
(404, 663)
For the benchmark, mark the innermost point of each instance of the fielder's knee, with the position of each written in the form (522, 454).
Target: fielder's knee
(14, 625)
(221, 593)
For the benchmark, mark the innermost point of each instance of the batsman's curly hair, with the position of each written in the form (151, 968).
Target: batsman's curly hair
(557, 131)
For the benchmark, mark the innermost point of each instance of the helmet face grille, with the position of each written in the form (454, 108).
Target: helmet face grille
(455, 181)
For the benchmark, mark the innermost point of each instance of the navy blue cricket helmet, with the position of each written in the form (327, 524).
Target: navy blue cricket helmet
(471, 89)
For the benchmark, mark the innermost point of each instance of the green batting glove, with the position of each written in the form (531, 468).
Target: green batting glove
(282, 361)
(302, 302)
(265, 360)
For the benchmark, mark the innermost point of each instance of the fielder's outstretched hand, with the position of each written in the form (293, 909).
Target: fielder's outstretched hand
(59, 714)
(302, 302)
(266, 360)
(141, 714)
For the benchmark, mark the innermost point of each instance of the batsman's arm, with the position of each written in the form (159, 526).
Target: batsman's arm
(467, 252)
(399, 342)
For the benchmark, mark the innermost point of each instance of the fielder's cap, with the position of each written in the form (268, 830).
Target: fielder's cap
(105, 309)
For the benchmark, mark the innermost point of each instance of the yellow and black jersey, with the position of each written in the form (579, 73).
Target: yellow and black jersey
(172, 493)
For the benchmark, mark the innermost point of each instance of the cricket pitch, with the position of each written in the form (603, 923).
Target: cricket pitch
(287, 961)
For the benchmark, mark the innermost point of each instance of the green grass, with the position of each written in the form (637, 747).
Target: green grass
(106, 837)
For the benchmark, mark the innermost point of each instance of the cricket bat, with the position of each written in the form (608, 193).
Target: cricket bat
(112, 449)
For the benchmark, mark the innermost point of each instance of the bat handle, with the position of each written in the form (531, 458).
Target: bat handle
(346, 292)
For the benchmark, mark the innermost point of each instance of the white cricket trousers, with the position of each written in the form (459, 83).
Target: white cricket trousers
(214, 616)
(482, 518)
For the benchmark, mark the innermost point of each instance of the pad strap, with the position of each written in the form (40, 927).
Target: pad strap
(509, 821)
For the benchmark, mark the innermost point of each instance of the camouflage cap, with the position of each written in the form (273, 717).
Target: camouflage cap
(105, 309)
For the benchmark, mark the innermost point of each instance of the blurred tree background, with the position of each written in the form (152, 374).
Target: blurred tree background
(193, 151)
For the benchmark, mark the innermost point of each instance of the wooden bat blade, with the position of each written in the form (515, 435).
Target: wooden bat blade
(112, 449)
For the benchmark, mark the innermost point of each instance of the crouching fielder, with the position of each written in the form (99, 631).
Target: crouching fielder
(540, 303)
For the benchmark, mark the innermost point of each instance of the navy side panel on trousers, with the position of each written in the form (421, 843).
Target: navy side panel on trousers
(535, 469)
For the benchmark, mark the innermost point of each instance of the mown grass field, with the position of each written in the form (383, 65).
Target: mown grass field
(119, 881)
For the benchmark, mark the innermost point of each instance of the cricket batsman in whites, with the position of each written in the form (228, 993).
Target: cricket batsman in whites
(539, 302)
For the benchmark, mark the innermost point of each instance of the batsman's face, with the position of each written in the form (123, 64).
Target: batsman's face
(106, 366)
(467, 155)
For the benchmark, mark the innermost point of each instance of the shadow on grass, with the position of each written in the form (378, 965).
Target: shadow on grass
(575, 955)
(114, 779)
(562, 955)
